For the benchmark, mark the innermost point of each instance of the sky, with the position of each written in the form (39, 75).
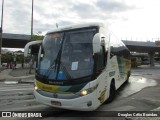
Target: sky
(127, 19)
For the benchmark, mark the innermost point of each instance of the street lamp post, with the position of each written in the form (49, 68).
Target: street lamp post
(1, 31)
(31, 37)
(32, 21)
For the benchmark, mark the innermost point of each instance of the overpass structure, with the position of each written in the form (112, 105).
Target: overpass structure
(15, 40)
(143, 47)
(20, 40)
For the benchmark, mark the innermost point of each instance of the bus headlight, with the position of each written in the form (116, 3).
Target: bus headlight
(35, 87)
(84, 92)
(87, 91)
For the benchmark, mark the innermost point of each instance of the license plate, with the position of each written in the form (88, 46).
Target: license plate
(57, 103)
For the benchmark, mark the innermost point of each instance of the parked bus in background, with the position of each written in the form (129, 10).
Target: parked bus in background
(80, 67)
(136, 61)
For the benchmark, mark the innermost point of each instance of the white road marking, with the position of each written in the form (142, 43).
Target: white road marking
(16, 89)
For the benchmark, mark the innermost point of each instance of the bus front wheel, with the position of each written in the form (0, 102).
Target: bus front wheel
(128, 75)
(111, 93)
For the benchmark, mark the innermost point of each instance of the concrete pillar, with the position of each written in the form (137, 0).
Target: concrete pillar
(151, 58)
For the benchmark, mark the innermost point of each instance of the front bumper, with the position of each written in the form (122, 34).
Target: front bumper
(84, 103)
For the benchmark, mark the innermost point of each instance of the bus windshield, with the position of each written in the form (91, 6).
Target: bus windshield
(67, 55)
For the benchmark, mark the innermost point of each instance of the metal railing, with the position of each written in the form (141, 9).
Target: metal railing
(140, 39)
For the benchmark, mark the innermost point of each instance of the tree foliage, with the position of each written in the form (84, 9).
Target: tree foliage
(37, 37)
(8, 57)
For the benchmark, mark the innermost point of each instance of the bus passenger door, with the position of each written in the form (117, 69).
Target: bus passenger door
(100, 60)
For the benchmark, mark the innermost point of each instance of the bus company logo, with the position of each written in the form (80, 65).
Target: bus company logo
(6, 114)
(58, 83)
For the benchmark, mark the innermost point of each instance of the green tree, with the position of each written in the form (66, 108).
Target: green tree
(37, 37)
(20, 58)
(6, 58)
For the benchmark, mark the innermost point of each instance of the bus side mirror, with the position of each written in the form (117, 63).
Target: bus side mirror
(98, 41)
(27, 47)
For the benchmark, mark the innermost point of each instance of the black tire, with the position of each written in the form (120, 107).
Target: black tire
(112, 93)
(128, 75)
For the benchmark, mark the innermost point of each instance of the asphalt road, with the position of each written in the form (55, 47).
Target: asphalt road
(140, 94)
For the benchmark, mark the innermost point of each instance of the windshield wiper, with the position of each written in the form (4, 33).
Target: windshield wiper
(53, 64)
(58, 58)
(56, 61)
(48, 70)
(68, 76)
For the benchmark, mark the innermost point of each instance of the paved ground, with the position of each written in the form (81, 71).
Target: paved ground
(148, 72)
(140, 94)
(18, 74)
(21, 72)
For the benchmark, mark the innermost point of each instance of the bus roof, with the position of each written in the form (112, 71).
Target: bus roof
(76, 26)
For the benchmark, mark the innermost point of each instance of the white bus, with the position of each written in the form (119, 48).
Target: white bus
(80, 67)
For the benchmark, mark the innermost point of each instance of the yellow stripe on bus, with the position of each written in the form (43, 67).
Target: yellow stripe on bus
(50, 88)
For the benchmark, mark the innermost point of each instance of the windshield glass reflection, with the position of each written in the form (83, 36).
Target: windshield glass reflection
(67, 55)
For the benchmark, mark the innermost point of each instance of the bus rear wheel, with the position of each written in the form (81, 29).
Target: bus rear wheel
(128, 75)
(111, 93)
